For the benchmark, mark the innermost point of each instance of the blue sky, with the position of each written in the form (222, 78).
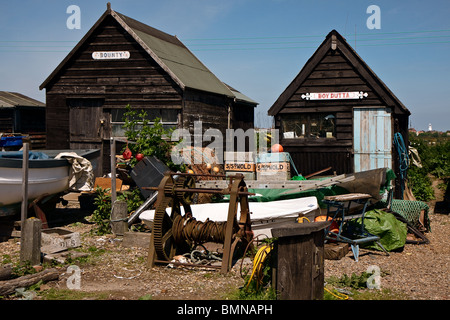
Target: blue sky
(256, 46)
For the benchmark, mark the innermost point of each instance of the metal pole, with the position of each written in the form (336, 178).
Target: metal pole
(150, 200)
(24, 211)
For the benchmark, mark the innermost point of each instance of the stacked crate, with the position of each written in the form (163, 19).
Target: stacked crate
(273, 166)
(240, 162)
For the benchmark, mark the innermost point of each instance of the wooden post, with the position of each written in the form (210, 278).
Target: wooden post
(113, 171)
(300, 260)
(24, 211)
(232, 211)
(30, 241)
(119, 218)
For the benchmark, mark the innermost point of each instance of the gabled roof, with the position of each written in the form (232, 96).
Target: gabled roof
(334, 41)
(240, 97)
(168, 52)
(14, 99)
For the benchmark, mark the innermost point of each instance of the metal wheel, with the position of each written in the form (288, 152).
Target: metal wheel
(164, 243)
(185, 182)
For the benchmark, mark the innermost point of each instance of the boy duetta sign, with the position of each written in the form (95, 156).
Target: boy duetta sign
(334, 95)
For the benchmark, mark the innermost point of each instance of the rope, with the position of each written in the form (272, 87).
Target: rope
(118, 220)
(340, 296)
(403, 159)
(188, 228)
(260, 257)
(202, 257)
(250, 244)
(302, 219)
(292, 164)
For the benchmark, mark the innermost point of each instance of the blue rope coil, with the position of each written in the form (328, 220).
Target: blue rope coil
(402, 152)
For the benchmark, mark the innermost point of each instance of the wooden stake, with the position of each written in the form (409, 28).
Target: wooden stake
(113, 171)
(24, 211)
(30, 241)
(119, 217)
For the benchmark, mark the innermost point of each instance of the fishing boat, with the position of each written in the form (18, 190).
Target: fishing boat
(47, 175)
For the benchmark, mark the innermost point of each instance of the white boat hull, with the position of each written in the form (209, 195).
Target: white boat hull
(264, 215)
(40, 181)
(46, 176)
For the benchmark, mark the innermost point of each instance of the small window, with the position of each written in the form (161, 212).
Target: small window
(168, 117)
(308, 125)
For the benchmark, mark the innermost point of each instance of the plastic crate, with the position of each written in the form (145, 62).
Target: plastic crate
(148, 173)
(11, 141)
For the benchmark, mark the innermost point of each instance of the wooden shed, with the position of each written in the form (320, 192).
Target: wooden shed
(20, 114)
(337, 113)
(122, 61)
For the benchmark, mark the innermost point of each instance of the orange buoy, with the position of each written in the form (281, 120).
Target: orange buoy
(321, 218)
(276, 148)
(334, 226)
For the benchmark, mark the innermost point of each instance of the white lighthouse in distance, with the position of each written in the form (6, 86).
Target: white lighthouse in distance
(430, 128)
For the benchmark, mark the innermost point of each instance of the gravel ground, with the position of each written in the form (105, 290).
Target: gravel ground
(419, 272)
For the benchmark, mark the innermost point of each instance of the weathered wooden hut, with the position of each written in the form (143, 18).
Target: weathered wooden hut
(20, 114)
(122, 61)
(337, 113)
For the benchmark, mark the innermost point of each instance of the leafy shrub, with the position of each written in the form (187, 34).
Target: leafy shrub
(102, 214)
(434, 152)
(355, 281)
(420, 184)
(148, 139)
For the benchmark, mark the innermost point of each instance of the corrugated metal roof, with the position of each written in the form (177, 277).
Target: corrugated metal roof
(14, 99)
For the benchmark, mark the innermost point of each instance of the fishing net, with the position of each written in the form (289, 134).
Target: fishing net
(415, 212)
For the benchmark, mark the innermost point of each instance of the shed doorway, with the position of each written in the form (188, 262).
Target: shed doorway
(372, 138)
(85, 126)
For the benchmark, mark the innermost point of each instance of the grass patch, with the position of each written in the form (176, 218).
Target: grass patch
(333, 293)
(67, 294)
(355, 287)
(383, 294)
(262, 294)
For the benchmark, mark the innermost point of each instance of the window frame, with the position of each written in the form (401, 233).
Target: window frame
(305, 120)
(172, 124)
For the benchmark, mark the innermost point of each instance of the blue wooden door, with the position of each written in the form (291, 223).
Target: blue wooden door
(372, 138)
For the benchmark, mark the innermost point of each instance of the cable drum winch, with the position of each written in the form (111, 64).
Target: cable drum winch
(175, 230)
(187, 228)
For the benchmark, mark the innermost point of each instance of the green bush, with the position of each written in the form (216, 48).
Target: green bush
(420, 184)
(102, 214)
(434, 152)
(148, 139)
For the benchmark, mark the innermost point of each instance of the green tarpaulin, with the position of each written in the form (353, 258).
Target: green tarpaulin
(391, 231)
